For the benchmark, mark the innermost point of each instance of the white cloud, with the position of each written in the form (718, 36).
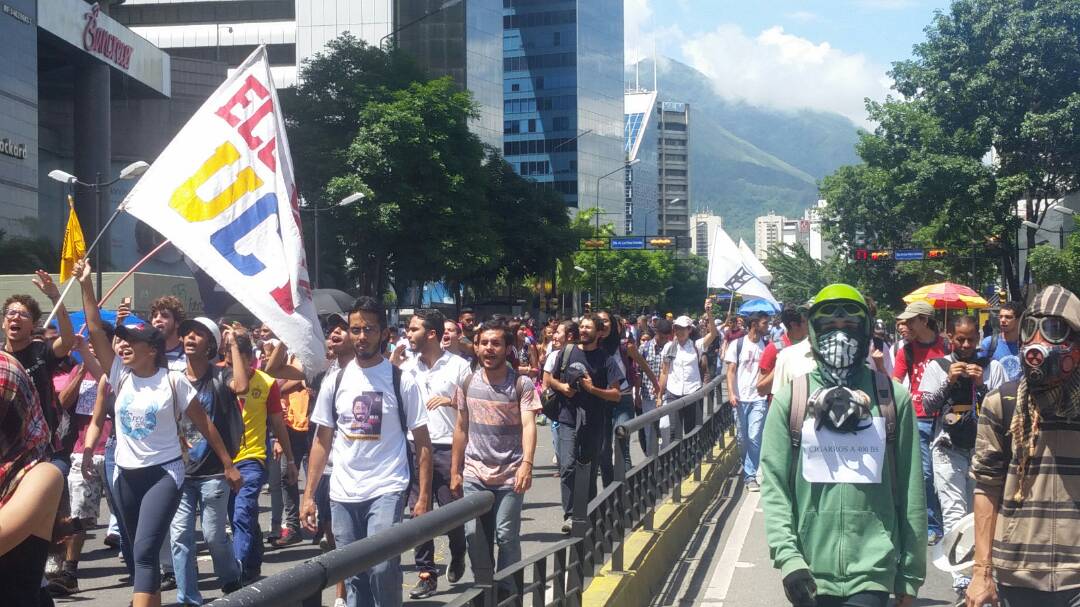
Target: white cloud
(785, 71)
(803, 16)
(641, 36)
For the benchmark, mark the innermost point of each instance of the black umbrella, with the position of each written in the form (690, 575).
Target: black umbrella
(331, 301)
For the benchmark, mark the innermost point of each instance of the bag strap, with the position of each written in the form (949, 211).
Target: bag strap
(333, 395)
(396, 372)
(800, 397)
(909, 358)
(887, 407)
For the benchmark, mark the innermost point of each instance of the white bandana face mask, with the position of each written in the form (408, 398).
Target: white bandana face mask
(838, 349)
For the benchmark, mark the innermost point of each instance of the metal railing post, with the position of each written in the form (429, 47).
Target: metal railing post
(482, 566)
(623, 512)
(679, 448)
(699, 438)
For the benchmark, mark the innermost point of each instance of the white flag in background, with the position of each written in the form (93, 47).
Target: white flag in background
(223, 193)
(754, 264)
(728, 270)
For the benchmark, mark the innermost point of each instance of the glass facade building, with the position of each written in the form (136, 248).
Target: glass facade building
(641, 189)
(563, 99)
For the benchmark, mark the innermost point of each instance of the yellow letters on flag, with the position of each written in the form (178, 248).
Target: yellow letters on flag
(74, 247)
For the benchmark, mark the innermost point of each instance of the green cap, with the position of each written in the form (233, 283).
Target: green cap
(838, 291)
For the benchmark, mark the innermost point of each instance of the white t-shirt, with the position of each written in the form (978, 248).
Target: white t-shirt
(748, 369)
(147, 410)
(368, 447)
(443, 379)
(684, 372)
(793, 361)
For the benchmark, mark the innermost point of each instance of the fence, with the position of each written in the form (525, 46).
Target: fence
(556, 576)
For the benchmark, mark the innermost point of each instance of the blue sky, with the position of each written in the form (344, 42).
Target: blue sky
(819, 54)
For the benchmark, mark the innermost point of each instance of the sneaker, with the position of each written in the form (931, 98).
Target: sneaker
(112, 541)
(541, 420)
(168, 582)
(554, 460)
(961, 597)
(933, 537)
(340, 603)
(456, 569)
(288, 538)
(52, 566)
(567, 526)
(425, 586)
(324, 545)
(64, 584)
(752, 486)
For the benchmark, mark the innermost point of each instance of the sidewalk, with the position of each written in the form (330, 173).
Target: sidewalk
(727, 563)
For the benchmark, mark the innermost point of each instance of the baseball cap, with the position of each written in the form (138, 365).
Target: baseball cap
(335, 320)
(144, 333)
(200, 322)
(916, 308)
(684, 322)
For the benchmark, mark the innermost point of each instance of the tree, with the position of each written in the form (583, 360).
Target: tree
(22, 255)
(994, 76)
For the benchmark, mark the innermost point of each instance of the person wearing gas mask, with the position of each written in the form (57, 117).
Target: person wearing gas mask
(953, 388)
(845, 509)
(1027, 483)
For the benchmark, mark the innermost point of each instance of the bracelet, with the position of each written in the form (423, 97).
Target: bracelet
(527, 462)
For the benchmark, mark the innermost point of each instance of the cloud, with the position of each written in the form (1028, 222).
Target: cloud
(781, 70)
(641, 36)
(803, 16)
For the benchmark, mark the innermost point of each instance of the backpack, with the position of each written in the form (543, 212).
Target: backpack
(234, 438)
(396, 377)
(800, 398)
(550, 400)
(960, 422)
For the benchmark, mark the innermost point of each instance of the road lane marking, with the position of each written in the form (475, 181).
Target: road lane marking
(721, 578)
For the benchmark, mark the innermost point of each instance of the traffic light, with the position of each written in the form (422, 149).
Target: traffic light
(594, 243)
(861, 254)
(880, 255)
(936, 253)
(660, 243)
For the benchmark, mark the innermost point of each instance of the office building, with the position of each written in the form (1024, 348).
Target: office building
(85, 95)
(703, 227)
(462, 40)
(563, 117)
(768, 230)
(673, 124)
(641, 177)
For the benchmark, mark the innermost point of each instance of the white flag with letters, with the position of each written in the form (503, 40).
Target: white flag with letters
(754, 263)
(728, 270)
(223, 193)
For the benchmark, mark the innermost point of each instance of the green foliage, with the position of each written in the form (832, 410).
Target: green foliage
(992, 74)
(796, 276)
(21, 255)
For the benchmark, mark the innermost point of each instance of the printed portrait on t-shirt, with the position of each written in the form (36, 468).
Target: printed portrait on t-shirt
(137, 421)
(366, 418)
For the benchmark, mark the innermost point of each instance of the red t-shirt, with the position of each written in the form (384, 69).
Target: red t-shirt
(921, 355)
(768, 357)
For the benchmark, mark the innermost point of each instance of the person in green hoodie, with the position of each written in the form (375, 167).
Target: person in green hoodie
(857, 533)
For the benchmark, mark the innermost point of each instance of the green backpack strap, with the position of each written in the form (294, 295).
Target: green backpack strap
(883, 385)
(800, 397)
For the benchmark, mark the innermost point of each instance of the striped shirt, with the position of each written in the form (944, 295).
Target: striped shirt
(494, 451)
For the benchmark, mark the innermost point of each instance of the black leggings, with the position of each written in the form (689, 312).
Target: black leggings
(148, 498)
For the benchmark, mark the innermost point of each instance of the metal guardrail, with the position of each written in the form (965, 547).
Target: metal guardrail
(557, 575)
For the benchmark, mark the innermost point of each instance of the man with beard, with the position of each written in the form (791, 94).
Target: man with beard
(843, 534)
(953, 388)
(1026, 477)
(371, 472)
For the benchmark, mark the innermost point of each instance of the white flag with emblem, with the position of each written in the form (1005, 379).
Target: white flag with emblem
(728, 270)
(223, 193)
(754, 264)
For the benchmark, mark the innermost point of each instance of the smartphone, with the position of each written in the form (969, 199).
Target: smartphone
(126, 302)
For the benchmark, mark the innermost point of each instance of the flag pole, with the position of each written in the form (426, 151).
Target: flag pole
(138, 264)
(71, 280)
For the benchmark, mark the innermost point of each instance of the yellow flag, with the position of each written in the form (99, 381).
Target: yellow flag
(74, 247)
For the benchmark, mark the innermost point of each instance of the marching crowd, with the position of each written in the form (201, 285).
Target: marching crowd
(179, 419)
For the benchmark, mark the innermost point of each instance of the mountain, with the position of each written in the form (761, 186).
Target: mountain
(747, 160)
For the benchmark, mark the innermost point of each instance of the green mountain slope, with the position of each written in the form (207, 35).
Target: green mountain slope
(746, 160)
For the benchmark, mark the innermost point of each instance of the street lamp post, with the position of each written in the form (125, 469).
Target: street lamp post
(315, 210)
(131, 171)
(625, 166)
(442, 7)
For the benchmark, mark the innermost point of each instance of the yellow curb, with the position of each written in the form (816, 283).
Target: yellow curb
(649, 556)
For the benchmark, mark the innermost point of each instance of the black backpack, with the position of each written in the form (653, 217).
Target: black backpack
(958, 419)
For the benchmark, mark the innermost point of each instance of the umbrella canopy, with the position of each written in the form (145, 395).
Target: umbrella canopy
(78, 319)
(758, 305)
(331, 301)
(947, 296)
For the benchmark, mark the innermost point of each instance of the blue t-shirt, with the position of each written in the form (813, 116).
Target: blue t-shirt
(1006, 353)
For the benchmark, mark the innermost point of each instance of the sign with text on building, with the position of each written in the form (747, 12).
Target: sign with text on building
(627, 243)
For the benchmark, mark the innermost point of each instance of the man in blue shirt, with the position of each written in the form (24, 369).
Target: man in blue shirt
(1004, 346)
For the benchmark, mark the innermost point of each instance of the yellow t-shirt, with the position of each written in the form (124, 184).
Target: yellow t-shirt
(261, 399)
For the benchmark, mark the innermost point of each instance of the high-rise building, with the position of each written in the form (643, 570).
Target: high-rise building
(462, 40)
(673, 123)
(563, 116)
(768, 230)
(642, 176)
(703, 226)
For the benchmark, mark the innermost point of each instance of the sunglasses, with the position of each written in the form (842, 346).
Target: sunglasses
(1054, 329)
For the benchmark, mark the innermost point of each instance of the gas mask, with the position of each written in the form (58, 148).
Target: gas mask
(841, 409)
(1050, 361)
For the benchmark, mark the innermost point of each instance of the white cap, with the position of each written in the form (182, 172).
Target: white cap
(683, 321)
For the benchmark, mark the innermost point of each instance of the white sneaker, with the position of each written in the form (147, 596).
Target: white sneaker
(339, 602)
(554, 460)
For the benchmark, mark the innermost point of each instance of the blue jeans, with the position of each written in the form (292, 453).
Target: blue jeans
(211, 497)
(247, 536)
(933, 508)
(619, 414)
(501, 524)
(751, 423)
(379, 586)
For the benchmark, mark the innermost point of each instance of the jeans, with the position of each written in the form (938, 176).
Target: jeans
(114, 506)
(933, 509)
(501, 525)
(619, 414)
(555, 439)
(440, 490)
(1022, 597)
(955, 491)
(577, 454)
(247, 536)
(751, 424)
(379, 586)
(211, 497)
